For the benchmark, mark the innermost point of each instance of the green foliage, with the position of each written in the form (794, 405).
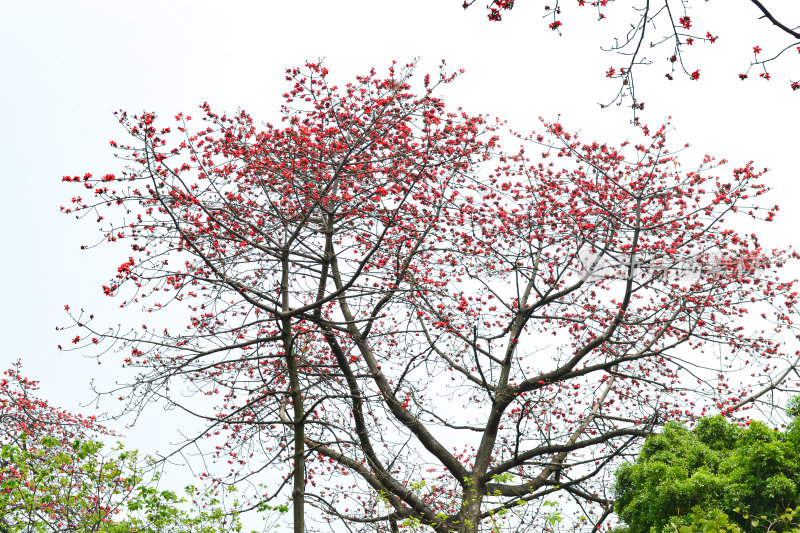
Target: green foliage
(54, 477)
(717, 477)
(704, 521)
(716, 521)
(50, 486)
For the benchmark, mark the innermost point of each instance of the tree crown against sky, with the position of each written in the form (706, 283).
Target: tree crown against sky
(377, 257)
(671, 27)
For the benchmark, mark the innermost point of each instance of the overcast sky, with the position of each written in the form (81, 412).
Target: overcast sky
(66, 66)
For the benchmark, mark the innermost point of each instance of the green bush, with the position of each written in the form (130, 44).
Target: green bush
(715, 477)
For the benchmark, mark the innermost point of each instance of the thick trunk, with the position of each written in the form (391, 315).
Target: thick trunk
(470, 511)
(297, 424)
(299, 481)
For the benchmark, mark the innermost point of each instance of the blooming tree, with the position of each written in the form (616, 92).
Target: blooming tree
(416, 328)
(668, 25)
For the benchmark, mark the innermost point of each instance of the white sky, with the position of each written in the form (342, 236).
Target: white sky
(66, 66)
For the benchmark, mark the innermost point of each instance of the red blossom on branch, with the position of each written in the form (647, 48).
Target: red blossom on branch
(663, 23)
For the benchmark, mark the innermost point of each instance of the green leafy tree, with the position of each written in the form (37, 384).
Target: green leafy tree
(716, 477)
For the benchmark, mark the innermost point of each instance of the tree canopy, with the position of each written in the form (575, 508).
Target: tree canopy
(414, 326)
(750, 474)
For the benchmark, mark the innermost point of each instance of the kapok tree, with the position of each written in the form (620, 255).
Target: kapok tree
(672, 27)
(415, 328)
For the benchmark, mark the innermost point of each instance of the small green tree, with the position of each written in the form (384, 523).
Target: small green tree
(716, 477)
(47, 487)
(54, 477)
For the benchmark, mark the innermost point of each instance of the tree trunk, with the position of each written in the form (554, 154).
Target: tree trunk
(470, 510)
(297, 424)
(299, 481)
